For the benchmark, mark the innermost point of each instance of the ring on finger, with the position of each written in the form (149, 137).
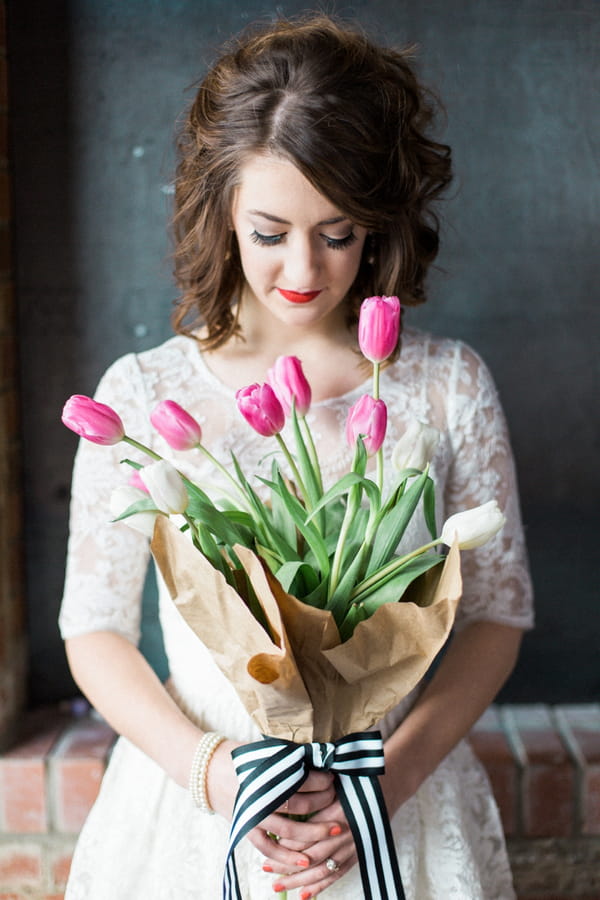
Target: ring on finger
(331, 865)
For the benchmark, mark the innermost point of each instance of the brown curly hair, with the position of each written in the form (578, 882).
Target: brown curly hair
(351, 116)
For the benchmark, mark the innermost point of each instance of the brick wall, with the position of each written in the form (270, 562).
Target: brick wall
(12, 624)
(543, 762)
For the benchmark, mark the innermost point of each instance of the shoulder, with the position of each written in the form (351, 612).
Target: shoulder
(442, 359)
(146, 367)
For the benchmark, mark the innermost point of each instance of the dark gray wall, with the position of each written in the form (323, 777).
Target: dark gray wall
(96, 88)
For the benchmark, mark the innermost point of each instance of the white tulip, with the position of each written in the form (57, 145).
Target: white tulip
(165, 486)
(416, 447)
(473, 527)
(125, 496)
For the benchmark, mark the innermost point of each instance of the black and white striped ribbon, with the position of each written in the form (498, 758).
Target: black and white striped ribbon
(271, 770)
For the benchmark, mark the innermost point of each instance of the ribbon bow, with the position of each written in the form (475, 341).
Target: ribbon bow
(271, 770)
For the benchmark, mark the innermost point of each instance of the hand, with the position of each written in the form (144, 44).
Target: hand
(315, 795)
(337, 845)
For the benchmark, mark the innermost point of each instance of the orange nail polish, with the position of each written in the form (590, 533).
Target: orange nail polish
(303, 862)
(279, 888)
(334, 831)
(267, 867)
(305, 895)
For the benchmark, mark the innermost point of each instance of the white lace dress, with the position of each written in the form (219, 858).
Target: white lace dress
(144, 839)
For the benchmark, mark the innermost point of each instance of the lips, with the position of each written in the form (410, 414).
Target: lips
(299, 297)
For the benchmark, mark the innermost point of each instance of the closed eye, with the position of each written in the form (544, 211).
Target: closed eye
(271, 240)
(266, 240)
(340, 243)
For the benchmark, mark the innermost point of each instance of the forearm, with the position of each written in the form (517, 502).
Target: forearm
(473, 669)
(120, 684)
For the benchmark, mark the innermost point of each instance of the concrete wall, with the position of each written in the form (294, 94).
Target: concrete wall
(97, 86)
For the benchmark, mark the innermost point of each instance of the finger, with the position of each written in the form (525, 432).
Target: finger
(316, 781)
(305, 833)
(278, 857)
(313, 880)
(307, 803)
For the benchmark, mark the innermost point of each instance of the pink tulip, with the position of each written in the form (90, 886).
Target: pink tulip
(290, 385)
(178, 428)
(368, 418)
(260, 407)
(93, 421)
(379, 327)
(135, 480)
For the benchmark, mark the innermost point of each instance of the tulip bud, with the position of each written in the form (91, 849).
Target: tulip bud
(379, 327)
(135, 481)
(473, 527)
(125, 496)
(93, 421)
(178, 428)
(367, 418)
(260, 407)
(416, 447)
(165, 486)
(290, 385)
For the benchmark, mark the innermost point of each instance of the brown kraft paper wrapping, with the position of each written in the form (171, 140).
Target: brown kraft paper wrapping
(303, 684)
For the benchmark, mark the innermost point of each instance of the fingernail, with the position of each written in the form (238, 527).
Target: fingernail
(279, 888)
(334, 831)
(303, 862)
(267, 867)
(305, 895)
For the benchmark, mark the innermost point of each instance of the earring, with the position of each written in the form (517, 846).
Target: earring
(370, 249)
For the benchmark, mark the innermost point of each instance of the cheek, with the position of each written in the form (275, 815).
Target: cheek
(349, 265)
(254, 263)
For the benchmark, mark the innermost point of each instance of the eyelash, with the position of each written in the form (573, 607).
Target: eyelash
(271, 240)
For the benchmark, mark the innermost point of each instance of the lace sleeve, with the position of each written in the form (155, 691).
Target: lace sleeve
(106, 562)
(496, 580)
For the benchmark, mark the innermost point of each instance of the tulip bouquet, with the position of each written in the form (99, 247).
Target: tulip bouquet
(295, 588)
(335, 549)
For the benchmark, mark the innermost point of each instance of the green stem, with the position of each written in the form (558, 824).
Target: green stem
(312, 450)
(379, 454)
(391, 567)
(376, 370)
(295, 472)
(133, 443)
(227, 475)
(351, 507)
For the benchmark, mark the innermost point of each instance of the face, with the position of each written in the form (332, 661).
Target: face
(300, 254)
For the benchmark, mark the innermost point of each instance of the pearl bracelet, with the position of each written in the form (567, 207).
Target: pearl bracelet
(202, 757)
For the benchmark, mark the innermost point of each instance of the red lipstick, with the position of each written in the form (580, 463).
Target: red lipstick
(296, 297)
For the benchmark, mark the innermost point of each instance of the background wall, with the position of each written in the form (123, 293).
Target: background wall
(96, 88)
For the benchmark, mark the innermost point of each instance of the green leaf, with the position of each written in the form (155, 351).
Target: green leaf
(130, 462)
(281, 520)
(393, 587)
(342, 487)
(288, 574)
(355, 615)
(145, 504)
(429, 508)
(307, 530)
(338, 602)
(221, 526)
(211, 551)
(267, 534)
(393, 525)
(309, 476)
(318, 597)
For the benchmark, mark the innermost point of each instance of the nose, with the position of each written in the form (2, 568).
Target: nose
(302, 264)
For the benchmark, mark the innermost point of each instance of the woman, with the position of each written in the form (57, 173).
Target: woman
(305, 183)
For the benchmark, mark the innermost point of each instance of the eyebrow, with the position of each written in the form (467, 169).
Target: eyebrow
(333, 221)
